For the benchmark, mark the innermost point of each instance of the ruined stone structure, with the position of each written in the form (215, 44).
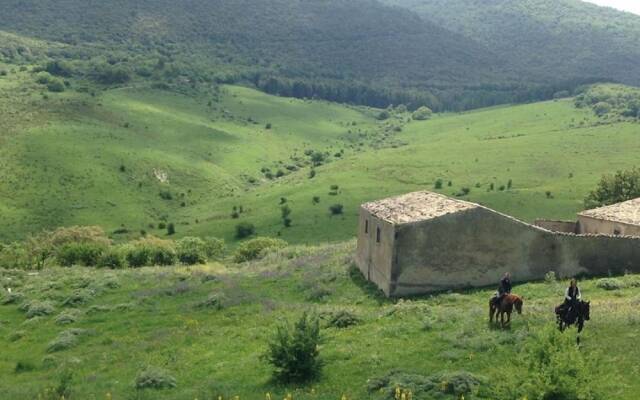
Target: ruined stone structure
(424, 242)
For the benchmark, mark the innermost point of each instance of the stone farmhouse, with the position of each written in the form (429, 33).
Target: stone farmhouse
(425, 242)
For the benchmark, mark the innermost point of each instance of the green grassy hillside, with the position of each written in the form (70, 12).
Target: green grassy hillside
(207, 326)
(130, 159)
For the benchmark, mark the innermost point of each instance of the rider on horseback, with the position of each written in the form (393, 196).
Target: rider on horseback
(572, 294)
(504, 288)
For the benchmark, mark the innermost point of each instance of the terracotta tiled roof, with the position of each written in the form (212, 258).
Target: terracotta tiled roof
(417, 206)
(627, 212)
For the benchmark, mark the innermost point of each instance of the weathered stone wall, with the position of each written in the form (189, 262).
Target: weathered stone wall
(591, 225)
(557, 226)
(474, 248)
(374, 258)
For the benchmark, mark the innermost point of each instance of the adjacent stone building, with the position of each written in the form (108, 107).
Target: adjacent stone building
(424, 242)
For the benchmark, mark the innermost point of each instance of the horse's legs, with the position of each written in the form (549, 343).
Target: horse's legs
(491, 310)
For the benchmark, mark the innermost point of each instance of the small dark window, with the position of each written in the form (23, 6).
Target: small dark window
(366, 226)
(378, 235)
(616, 232)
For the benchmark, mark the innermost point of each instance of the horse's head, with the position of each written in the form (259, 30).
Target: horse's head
(586, 310)
(518, 304)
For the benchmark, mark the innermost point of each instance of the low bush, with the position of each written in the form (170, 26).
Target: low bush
(192, 250)
(213, 301)
(244, 230)
(442, 385)
(214, 247)
(336, 209)
(11, 298)
(422, 113)
(67, 317)
(37, 308)
(155, 378)
(150, 251)
(80, 253)
(556, 369)
(112, 258)
(293, 351)
(343, 319)
(255, 248)
(77, 298)
(610, 284)
(65, 340)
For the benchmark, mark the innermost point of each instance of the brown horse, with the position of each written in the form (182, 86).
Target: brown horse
(505, 306)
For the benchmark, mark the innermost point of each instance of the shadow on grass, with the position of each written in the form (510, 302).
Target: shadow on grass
(368, 288)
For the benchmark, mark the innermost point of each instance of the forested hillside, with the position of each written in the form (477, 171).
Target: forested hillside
(544, 38)
(357, 51)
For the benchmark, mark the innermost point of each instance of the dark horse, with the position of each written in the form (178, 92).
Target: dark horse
(574, 315)
(505, 306)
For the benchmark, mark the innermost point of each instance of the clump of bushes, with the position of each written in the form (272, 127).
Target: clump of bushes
(610, 284)
(65, 340)
(556, 369)
(67, 317)
(37, 308)
(87, 254)
(244, 230)
(343, 319)
(155, 378)
(213, 301)
(457, 384)
(336, 209)
(622, 186)
(256, 248)
(293, 350)
(214, 247)
(422, 113)
(150, 251)
(11, 298)
(191, 250)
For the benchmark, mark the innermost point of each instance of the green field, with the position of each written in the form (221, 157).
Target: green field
(129, 320)
(78, 159)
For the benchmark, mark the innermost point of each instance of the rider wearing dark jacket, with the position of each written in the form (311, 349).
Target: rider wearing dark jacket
(505, 285)
(504, 288)
(572, 295)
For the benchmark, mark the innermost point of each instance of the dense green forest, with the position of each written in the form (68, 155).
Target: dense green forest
(358, 51)
(544, 38)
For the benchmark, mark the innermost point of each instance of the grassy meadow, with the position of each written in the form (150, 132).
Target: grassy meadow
(130, 158)
(94, 331)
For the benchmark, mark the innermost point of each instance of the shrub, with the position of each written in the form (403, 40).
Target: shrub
(171, 229)
(457, 384)
(315, 200)
(293, 350)
(150, 251)
(37, 308)
(602, 108)
(422, 113)
(610, 284)
(137, 256)
(55, 85)
(154, 378)
(244, 230)
(343, 319)
(214, 247)
(77, 298)
(556, 368)
(43, 78)
(213, 301)
(623, 186)
(336, 209)
(65, 340)
(23, 366)
(550, 277)
(383, 115)
(438, 184)
(255, 248)
(192, 250)
(67, 317)
(112, 258)
(87, 254)
(11, 298)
